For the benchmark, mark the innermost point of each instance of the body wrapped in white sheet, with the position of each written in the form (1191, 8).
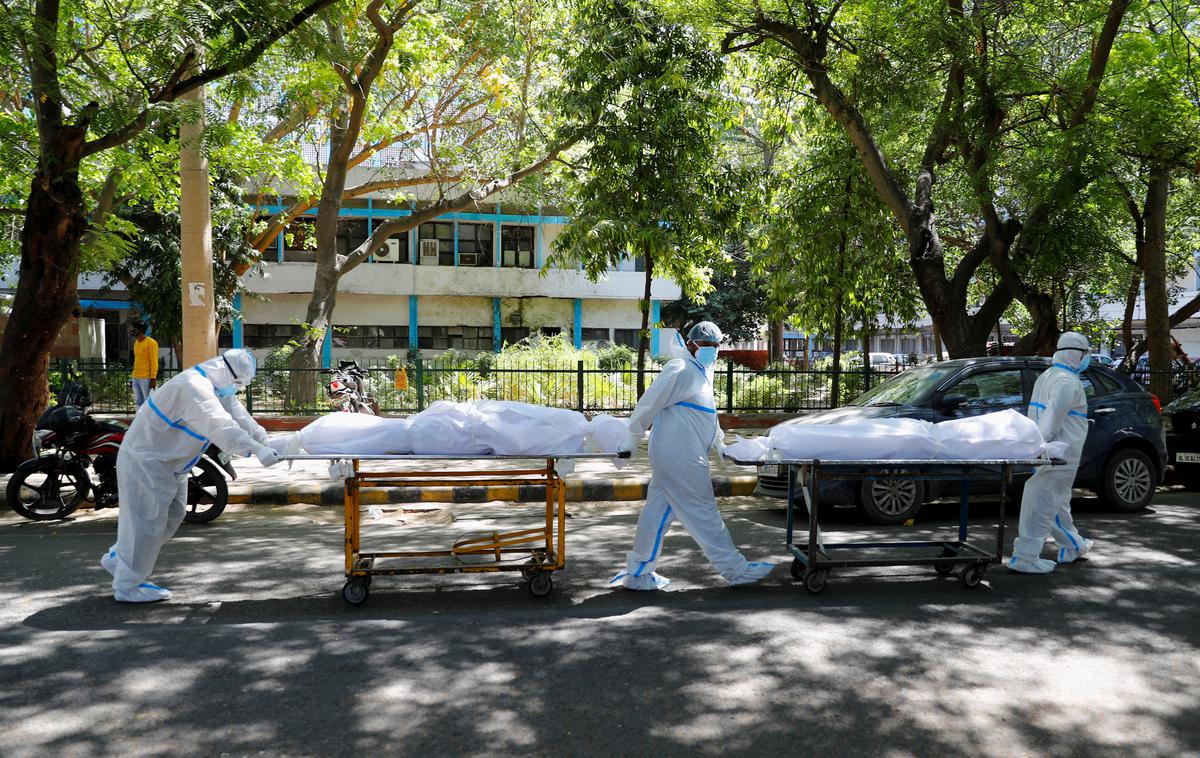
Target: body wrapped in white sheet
(487, 427)
(1005, 435)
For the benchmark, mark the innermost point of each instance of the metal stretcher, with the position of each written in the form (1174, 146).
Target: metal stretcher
(535, 553)
(814, 558)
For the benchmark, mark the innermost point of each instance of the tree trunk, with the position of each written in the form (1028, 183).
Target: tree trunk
(835, 390)
(775, 343)
(644, 334)
(1131, 297)
(1043, 337)
(1154, 267)
(47, 296)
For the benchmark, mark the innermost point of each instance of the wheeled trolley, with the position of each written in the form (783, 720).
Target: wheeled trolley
(814, 558)
(535, 552)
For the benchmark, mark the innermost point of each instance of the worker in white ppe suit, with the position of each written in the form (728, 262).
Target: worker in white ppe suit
(681, 407)
(1059, 406)
(168, 435)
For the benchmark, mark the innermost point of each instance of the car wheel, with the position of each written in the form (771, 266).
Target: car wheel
(1128, 480)
(890, 501)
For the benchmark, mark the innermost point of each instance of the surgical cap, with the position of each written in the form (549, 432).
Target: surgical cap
(242, 364)
(1073, 341)
(705, 331)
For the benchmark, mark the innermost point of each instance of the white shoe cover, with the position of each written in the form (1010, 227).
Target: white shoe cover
(1069, 554)
(650, 581)
(109, 561)
(143, 593)
(754, 572)
(1036, 566)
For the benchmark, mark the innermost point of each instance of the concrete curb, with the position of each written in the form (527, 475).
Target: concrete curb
(578, 490)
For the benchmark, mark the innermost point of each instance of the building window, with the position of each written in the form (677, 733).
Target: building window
(626, 337)
(225, 336)
(443, 233)
(298, 236)
(268, 335)
(394, 250)
(475, 338)
(639, 263)
(516, 247)
(592, 334)
(511, 335)
(475, 245)
(350, 234)
(550, 331)
(371, 337)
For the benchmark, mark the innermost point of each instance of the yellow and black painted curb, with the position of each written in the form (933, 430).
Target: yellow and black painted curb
(578, 490)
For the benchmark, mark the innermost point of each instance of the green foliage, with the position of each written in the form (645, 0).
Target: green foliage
(737, 302)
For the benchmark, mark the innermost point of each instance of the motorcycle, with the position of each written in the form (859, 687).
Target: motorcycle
(68, 441)
(347, 388)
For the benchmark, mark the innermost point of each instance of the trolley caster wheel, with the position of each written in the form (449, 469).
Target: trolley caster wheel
(529, 572)
(972, 575)
(945, 568)
(815, 581)
(355, 592)
(798, 569)
(541, 584)
(366, 580)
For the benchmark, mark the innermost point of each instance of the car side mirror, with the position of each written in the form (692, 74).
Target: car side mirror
(950, 402)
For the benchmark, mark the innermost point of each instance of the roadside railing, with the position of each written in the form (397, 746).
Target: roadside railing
(578, 385)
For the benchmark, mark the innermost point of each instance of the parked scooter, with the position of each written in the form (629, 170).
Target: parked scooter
(347, 389)
(68, 441)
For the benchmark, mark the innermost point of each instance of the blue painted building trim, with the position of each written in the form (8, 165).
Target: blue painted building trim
(655, 316)
(537, 244)
(497, 340)
(578, 325)
(238, 331)
(279, 248)
(327, 348)
(455, 243)
(412, 323)
(110, 305)
(504, 218)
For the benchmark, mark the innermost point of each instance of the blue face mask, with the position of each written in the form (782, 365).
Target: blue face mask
(707, 355)
(1087, 361)
(229, 390)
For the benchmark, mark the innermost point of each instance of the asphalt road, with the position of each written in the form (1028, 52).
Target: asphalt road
(258, 654)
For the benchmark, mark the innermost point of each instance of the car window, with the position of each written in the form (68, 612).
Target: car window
(1089, 388)
(1104, 385)
(991, 389)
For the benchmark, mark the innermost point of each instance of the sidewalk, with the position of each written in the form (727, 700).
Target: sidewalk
(592, 480)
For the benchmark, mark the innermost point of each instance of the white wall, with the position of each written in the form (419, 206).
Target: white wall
(453, 311)
(613, 314)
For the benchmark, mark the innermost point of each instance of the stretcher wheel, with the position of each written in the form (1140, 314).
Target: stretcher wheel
(541, 584)
(945, 568)
(355, 592)
(798, 569)
(972, 575)
(815, 581)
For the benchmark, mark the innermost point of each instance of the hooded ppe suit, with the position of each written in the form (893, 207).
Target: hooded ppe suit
(680, 405)
(168, 435)
(1059, 406)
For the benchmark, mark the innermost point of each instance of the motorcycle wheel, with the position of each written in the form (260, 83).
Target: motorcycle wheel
(208, 493)
(43, 489)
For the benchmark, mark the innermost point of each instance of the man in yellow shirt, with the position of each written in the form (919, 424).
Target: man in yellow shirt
(145, 363)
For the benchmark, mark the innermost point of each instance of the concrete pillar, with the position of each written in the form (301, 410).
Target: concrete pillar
(238, 330)
(577, 328)
(195, 244)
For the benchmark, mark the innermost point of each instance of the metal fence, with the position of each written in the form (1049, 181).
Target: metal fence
(581, 385)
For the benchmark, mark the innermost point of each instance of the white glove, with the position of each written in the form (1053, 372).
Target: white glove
(1056, 449)
(260, 435)
(630, 445)
(266, 456)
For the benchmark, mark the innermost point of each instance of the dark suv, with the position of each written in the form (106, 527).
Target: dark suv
(1124, 458)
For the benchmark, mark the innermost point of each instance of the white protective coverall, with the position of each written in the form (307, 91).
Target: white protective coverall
(681, 406)
(168, 435)
(1059, 406)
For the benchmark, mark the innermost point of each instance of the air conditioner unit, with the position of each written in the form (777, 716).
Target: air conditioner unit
(389, 253)
(429, 252)
(468, 259)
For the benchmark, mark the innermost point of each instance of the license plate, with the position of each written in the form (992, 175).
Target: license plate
(771, 471)
(1187, 457)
